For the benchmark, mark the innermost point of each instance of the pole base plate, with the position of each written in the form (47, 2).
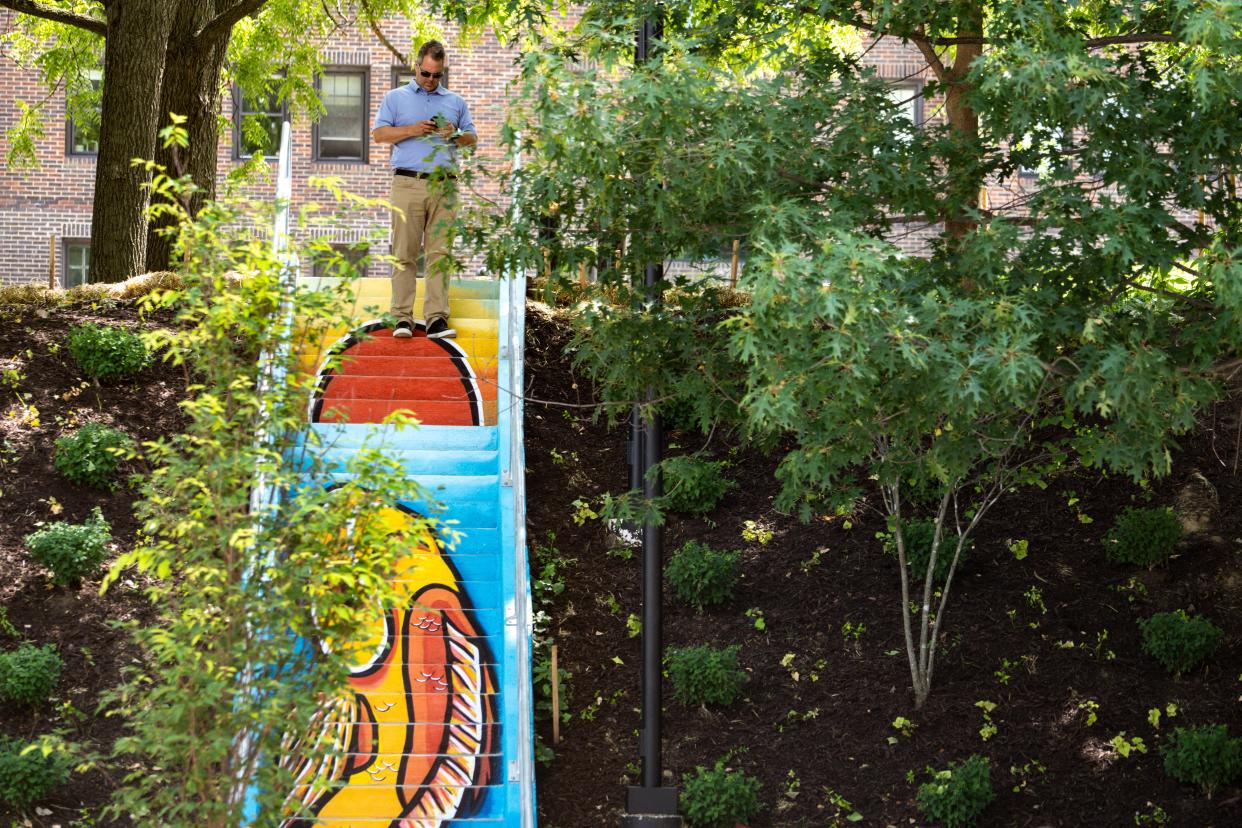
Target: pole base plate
(650, 808)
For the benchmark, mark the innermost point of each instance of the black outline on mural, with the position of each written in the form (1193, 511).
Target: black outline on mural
(456, 355)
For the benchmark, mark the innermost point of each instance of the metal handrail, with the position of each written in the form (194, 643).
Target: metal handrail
(516, 285)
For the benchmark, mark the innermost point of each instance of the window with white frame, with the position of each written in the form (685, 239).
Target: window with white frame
(256, 123)
(76, 259)
(907, 98)
(83, 108)
(341, 134)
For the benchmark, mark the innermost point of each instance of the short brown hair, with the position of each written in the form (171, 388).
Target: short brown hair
(433, 49)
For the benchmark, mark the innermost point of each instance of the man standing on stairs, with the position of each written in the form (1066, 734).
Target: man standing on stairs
(426, 124)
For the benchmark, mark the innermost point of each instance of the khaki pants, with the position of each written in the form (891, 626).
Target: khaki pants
(420, 227)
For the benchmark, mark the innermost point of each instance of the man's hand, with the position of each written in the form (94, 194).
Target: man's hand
(446, 132)
(420, 129)
(397, 134)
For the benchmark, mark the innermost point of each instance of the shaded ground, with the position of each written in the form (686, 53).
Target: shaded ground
(42, 397)
(829, 726)
(1039, 638)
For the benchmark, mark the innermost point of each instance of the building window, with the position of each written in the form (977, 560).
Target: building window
(82, 116)
(341, 134)
(342, 255)
(908, 100)
(76, 256)
(256, 124)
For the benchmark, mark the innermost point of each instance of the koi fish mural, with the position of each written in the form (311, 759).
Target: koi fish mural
(420, 730)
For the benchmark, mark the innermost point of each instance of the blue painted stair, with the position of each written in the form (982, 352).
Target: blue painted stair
(440, 730)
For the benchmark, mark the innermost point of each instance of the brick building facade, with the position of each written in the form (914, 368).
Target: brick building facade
(45, 213)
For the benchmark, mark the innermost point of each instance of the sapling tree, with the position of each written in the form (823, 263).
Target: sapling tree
(263, 568)
(1080, 319)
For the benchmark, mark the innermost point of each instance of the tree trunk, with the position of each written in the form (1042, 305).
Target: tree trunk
(191, 88)
(963, 119)
(133, 71)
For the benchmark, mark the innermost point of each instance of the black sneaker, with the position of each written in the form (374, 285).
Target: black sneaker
(404, 330)
(439, 329)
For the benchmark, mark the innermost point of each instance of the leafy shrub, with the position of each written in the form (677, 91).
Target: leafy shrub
(72, 551)
(88, 456)
(1178, 641)
(693, 485)
(918, 534)
(705, 675)
(1143, 537)
(27, 776)
(29, 674)
(105, 352)
(719, 798)
(703, 576)
(1203, 756)
(957, 796)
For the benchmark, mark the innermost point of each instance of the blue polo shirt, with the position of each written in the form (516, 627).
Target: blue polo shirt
(408, 104)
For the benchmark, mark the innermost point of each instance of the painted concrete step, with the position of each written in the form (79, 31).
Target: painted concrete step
(413, 461)
(382, 286)
(373, 304)
(408, 389)
(441, 438)
(405, 365)
(375, 411)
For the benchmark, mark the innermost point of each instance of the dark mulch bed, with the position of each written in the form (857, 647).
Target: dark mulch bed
(827, 728)
(32, 492)
(831, 732)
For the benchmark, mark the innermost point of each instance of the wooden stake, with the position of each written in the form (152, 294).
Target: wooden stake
(582, 276)
(733, 267)
(556, 700)
(51, 261)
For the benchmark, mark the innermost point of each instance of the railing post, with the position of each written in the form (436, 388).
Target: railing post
(650, 805)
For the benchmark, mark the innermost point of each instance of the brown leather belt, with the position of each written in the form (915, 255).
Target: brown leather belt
(417, 174)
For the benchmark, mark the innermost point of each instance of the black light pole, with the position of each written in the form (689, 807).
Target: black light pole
(650, 805)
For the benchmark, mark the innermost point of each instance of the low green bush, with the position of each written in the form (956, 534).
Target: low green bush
(29, 674)
(705, 675)
(692, 485)
(702, 576)
(1143, 537)
(27, 776)
(918, 534)
(957, 796)
(719, 797)
(88, 456)
(1179, 641)
(106, 352)
(1204, 756)
(72, 551)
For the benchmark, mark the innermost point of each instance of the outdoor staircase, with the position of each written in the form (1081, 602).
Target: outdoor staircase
(440, 729)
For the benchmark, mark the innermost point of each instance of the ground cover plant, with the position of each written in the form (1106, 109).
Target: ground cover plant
(106, 352)
(29, 674)
(1204, 756)
(957, 796)
(91, 455)
(1179, 641)
(72, 551)
(1143, 537)
(703, 576)
(719, 797)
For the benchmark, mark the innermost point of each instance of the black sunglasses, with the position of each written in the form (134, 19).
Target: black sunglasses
(436, 75)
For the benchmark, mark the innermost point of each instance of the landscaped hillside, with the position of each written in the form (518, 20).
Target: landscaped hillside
(1043, 671)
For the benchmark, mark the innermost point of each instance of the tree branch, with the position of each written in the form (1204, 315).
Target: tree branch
(379, 33)
(933, 59)
(36, 9)
(223, 23)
